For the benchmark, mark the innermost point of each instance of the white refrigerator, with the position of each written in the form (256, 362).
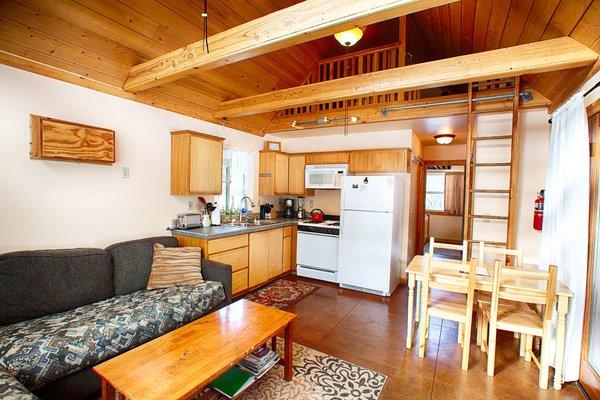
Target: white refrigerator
(371, 233)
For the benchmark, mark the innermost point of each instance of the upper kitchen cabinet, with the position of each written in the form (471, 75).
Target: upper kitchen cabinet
(383, 160)
(196, 163)
(297, 166)
(331, 157)
(273, 173)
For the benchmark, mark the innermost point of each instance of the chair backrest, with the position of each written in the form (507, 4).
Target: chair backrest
(448, 276)
(460, 247)
(503, 275)
(515, 254)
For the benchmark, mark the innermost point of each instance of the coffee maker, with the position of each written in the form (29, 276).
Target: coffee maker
(288, 208)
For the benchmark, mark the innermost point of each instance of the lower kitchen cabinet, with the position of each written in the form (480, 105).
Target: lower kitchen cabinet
(255, 258)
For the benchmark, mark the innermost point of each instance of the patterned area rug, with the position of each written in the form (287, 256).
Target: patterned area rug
(282, 293)
(317, 376)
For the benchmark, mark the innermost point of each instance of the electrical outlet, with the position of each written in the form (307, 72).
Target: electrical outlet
(310, 204)
(125, 172)
(190, 205)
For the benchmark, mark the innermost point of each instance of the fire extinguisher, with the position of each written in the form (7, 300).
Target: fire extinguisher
(538, 213)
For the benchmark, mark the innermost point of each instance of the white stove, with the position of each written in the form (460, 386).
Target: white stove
(317, 249)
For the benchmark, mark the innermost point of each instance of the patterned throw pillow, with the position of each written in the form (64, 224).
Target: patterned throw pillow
(175, 266)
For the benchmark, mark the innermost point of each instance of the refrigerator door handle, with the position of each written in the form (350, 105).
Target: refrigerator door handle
(342, 224)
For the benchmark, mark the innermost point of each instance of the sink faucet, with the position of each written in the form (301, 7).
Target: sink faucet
(242, 205)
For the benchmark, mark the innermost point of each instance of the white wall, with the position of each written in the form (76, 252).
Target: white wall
(49, 204)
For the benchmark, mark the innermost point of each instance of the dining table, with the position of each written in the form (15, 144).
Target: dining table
(483, 283)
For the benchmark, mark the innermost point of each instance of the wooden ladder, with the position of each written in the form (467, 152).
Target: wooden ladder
(473, 194)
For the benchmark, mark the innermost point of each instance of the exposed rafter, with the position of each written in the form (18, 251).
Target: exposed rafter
(544, 56)
(419, 109)
(302, 22)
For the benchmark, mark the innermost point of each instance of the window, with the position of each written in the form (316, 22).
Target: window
(434, 191)
(238, 173)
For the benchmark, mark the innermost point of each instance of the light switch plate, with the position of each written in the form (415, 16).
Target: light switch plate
(125, 172)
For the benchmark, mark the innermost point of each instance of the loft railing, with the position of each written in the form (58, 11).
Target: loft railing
(361, 62)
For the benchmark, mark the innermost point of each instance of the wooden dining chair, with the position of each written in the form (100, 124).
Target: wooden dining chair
(511, 284)
(501, 254)
(433, 246)
(449, 278)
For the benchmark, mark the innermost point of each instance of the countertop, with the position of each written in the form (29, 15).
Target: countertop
(225, 230)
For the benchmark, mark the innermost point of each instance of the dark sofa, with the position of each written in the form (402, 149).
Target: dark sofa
(79, 307)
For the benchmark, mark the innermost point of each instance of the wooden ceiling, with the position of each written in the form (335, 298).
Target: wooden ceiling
(94, 43)
(472, 26)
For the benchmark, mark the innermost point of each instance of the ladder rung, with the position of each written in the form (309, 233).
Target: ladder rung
(478, 216)
(493, 164)
(501, 137)
(487, 242)
(489, 191)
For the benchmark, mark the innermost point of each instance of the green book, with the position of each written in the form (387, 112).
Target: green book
(232, 382)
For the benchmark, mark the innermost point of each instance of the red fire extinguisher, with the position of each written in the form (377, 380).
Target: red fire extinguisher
(538, 213)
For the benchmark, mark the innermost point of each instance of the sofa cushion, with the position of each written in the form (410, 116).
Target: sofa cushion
(133, 260)
(12, 389)
(40, 351)
(42, 282)
(175, 266)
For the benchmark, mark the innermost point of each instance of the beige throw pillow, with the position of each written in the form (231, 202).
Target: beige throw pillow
(175, 266)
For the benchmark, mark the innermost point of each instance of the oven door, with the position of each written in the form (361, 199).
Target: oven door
(318, 251)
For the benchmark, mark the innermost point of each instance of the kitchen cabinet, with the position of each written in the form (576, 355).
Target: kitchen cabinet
(53, 139)
(332, 157)
(266, 256)
(287, 249)
(297, 166)
(196, 163)
(273, 173)
(381, 160)
(275, 253)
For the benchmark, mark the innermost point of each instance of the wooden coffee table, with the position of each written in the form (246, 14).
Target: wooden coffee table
(181, 363)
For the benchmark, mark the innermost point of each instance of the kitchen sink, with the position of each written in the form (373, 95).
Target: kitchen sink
(258, 222)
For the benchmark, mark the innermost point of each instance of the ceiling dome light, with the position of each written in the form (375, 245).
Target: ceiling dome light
(446, 138)
(350, 37)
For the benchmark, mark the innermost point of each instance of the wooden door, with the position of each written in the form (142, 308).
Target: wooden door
(206, 165)
(590, 353)
(280, 184)
(275, 243)
(287, 253)
(258, 258)
(297, 165)
(420, 230)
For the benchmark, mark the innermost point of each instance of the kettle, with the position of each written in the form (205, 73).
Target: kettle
(317, 215)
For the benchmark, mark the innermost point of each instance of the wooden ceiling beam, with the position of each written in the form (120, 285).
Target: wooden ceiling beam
(372, 113)
(548, 55)
(302, 22)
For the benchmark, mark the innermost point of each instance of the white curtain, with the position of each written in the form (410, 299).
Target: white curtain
(238, 177)
(566, 209)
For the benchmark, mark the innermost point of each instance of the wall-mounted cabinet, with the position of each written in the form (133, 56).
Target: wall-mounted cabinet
(273, 173)
(196, 163)
(297, 166)
(330, 157)
(53, 139)
(380, 160)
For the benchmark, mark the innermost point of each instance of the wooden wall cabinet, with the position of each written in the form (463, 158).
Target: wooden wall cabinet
(196, 163)
(296, 174)
(53, 139)
(330, 157)
(380, 160)
(273, 173)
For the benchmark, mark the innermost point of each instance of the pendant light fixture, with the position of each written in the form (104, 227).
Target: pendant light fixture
(350, 37)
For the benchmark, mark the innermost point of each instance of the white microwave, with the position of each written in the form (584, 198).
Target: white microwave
(326, 176)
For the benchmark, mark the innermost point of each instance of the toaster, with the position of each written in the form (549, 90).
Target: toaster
(186, 221)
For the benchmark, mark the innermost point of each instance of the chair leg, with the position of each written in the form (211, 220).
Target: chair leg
(484, 333)
(544, 362)
(418, 301)
(491, 351)
(479, 325)
(466, 346)
(461, 333)
(528, 347)
(422, 334)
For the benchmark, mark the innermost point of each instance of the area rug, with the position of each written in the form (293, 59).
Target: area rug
(317, 376)
(282, 293)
